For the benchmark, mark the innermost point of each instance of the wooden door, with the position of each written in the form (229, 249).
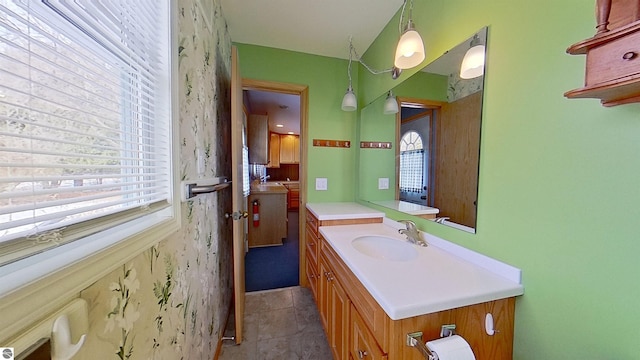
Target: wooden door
(239, 202)
(456, 159)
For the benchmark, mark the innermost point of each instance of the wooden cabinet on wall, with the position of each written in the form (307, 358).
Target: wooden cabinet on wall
(283, 149)
(358, 328)
(274, 150)
(613, 54)
(289, 149)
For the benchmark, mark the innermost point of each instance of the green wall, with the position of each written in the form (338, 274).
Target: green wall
(376, 126)
(558, 188)
(559, 179)
(327, 81)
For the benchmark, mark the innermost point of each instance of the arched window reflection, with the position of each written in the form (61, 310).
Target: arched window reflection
(411, 162)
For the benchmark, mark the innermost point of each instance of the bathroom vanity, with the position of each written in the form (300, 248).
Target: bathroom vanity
(373, 288)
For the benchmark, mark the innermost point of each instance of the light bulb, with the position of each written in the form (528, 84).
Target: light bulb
(410, 50)
(473, 63)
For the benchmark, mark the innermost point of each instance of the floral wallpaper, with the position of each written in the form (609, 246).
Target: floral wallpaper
(458, 88)
(171, 302)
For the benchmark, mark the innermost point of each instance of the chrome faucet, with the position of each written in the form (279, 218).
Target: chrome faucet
(441, 220)
(412, 233)
(264, 178)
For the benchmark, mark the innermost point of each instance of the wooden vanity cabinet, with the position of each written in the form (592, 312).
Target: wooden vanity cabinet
(358, 328)
(312, 244)
(373, 335)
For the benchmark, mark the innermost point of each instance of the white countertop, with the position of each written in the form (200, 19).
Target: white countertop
(342, 210)
(407, 207)
(435, 280)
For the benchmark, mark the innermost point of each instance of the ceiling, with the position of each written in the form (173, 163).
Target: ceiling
(282, 109)
(308, 26)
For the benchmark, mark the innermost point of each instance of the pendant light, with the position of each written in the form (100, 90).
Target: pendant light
(410, 50)
(473, 62)
(349, 101)
(390, 104)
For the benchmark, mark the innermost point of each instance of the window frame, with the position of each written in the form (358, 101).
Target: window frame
(26, 293)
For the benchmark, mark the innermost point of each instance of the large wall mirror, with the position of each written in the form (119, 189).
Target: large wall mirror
(432, 165)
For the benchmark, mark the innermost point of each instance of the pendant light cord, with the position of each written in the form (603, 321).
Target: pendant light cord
(401, 28)
(352, 50)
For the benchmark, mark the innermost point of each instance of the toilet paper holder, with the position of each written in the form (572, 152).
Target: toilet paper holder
(414, 339)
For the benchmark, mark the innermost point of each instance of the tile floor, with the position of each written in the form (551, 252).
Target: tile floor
(281, 324)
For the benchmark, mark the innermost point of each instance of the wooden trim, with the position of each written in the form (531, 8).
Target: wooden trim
(420, 103)
(432, 105)
(350, 221)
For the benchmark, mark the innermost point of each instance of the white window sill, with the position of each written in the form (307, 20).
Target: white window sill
(32, 288)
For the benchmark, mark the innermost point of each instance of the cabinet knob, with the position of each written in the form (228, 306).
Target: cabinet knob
(630, 55)
(329, 275)
(362, 354)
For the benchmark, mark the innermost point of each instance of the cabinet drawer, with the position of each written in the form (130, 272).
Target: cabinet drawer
(614, 60)
(312, 223)
(363, 344)
(312, 248)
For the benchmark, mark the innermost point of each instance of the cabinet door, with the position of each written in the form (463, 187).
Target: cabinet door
(289, 149)
(323, 293)
(274, 151)
(296, 150)
(339, 319)
(363, 344)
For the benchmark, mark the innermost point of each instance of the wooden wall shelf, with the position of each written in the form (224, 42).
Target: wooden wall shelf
(375, 145)
(332, 143)
(613, 55)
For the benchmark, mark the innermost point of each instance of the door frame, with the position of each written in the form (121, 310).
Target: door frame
(415, 103)
(303, 92)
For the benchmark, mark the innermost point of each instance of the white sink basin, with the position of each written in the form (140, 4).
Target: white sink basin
(384, 248)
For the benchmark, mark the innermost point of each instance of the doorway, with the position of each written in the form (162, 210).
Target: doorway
(278, 266)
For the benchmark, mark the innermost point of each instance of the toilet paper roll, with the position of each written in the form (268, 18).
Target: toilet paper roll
(451, 348)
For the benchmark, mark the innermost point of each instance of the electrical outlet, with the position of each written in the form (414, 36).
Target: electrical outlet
(383, 183)
(321, 183)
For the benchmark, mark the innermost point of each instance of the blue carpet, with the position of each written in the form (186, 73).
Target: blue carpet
(274, 267)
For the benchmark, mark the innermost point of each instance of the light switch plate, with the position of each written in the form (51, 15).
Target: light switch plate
(383, 183)
(321, 184)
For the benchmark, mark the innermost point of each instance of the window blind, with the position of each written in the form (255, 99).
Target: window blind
(411, 162)
(411, 170)
(85, 137)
